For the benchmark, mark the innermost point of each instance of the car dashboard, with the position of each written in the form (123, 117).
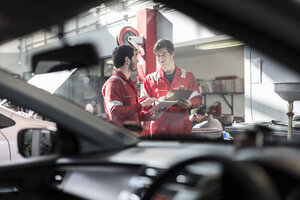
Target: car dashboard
(160, 168)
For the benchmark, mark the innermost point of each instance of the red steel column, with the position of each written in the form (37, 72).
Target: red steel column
(146, 25)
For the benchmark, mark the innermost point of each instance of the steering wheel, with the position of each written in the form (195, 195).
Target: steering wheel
(251, 178)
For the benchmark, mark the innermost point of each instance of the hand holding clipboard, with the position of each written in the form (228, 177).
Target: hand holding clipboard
(174, 97)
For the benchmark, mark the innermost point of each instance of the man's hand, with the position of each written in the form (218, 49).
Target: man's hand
(156, 114)
(161, 98)
(180, 87)
(153, 117)
(148, 102)
(185, 104)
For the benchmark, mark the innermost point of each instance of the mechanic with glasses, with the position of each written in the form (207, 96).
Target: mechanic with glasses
(174, 120)
(120, 92)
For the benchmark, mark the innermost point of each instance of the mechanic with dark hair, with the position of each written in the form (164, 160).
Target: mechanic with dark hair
(201, 119)
(198, 114)
(174, 120)
(120, 92)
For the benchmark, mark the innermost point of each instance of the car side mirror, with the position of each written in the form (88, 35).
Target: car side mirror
(37, 142)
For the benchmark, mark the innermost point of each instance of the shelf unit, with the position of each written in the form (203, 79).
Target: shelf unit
(229, 104)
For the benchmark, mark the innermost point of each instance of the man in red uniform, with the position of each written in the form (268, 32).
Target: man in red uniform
(120, 92)
(174, 120)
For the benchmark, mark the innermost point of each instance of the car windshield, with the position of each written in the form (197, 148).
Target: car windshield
(158, 73)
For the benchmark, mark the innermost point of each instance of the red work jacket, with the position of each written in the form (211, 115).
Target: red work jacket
(175, 120)
(121, 100)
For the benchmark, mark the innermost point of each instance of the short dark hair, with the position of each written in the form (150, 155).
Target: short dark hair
(201, 110)
(120, 53)
(164, 43)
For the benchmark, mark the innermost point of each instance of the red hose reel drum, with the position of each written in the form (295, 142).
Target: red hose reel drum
(125, 32)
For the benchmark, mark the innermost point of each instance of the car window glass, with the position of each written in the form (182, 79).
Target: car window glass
(236, 81)
(6, 122)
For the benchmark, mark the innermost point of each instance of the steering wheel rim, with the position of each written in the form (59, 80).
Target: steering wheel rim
(249, 180)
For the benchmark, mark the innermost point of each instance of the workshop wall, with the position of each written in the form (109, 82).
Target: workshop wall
(261, 102)
(227, 62)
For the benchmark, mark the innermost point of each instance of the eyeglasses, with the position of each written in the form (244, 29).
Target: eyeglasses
(164, 55)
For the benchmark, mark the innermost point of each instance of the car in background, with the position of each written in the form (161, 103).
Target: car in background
(11, 123)
(15, 118)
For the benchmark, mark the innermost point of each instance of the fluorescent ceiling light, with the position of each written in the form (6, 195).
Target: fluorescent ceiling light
(218, 44)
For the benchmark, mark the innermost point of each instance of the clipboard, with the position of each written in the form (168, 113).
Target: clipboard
(172, 97)
(176, 95)
(162, 106)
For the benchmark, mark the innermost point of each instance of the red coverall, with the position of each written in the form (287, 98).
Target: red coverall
(121, 100)
(175, 120)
